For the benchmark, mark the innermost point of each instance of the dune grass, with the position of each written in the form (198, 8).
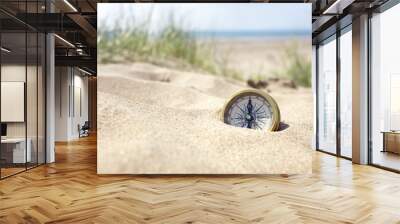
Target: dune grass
(177, 48)
(171, 47)
(297, 67)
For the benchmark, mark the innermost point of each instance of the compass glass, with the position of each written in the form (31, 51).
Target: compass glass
(250, 110)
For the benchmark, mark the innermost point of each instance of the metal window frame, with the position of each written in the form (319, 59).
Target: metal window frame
(339, 32)
(381, 9)
(387, 5)
(44, 75)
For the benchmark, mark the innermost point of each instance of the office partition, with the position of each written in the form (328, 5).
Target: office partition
(22, 77)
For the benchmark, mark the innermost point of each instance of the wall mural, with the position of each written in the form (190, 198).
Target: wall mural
(204, 88)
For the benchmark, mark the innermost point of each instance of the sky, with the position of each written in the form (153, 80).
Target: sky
(211, 16)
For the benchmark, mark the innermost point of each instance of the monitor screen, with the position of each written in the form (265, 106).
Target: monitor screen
(3, 129)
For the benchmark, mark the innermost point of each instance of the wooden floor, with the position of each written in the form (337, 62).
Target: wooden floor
(9, 171)
(5, 172)
(387, 159)
(69, 191)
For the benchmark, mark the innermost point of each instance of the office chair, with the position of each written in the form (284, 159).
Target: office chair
(84, 130)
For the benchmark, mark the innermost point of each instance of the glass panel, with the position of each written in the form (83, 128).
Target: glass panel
(327, 96)
(13, 86)
(31, 100)
(2, 161)
(385, 114)
(23, 90)
(41, 99)
(314, 90)
(32, 88)
(346, 94)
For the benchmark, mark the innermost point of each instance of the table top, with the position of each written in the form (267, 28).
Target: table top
(13, 140)
(391, 132)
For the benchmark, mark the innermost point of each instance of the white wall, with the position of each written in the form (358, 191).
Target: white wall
(12, 73)
(70, 83)
(62, 82)
(33, 126)
(13, 101)
(79, 110)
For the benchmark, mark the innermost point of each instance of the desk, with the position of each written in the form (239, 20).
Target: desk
(391, 141)
(17, 150)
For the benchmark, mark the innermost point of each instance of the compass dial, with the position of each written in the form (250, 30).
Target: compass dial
(252, 109)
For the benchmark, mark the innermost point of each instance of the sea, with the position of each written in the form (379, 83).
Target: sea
(247, 34)
(257, 34)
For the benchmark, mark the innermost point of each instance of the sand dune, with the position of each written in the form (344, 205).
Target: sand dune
(259, 56)
(158, 120)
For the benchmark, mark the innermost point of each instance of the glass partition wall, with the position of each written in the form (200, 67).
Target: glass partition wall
(385, 89)
(345, 108)
(22, 77)
(334, 87)
(13, 89)
(334, 105)
(327, 95)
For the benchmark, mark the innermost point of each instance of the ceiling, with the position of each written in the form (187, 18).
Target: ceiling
(75, 22)
(331, 15)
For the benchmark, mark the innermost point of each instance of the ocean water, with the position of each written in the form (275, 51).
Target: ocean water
(237, 34)
(251, 34)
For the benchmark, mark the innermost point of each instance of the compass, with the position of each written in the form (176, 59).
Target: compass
(252, 109)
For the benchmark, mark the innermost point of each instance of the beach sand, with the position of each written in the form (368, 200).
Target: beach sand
(259, 57)
(156, 120)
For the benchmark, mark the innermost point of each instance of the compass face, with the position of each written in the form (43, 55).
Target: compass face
(252, 109)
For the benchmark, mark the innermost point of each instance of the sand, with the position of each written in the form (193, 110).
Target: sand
(259, 57)
(155, 120)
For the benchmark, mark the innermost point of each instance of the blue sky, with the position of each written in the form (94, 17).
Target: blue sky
(211, 17)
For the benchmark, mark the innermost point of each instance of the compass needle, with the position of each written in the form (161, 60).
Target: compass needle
(252, 109)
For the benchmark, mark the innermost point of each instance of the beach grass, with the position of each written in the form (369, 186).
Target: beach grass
(297, 67)
(171, 47)
(176, 48)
